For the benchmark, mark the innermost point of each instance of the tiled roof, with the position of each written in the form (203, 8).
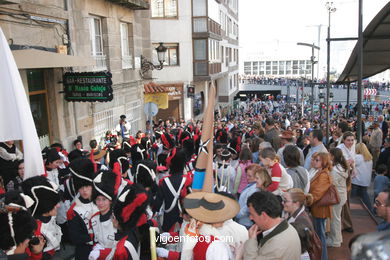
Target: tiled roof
(151, 88)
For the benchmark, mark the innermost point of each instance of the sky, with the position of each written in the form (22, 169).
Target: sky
(271, 28)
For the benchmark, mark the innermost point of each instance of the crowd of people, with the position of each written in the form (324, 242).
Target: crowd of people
(284, 81)
(281, 189)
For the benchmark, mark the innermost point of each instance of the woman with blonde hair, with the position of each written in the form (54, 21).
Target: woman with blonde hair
(362, 178)
(243, 215)
(319, 185)
(294, 203)
(263, 180)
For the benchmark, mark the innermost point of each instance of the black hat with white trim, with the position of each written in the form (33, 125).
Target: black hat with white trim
(43, 192)
(106, 183)
(82, 172)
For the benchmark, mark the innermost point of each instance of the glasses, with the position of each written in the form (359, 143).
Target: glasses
(379, 204)
(285, 201)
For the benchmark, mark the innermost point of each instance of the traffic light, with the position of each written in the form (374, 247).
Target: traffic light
(190, 91)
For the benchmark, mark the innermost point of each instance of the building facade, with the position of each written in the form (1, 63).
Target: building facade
(51, 37)
(293, 68)
(202, 41)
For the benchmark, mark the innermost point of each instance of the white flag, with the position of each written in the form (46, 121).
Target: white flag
(16, 121)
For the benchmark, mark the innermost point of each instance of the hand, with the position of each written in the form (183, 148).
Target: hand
(94, 255)
(162, 252)
(37, 249)
(254, 231)
(238, 251)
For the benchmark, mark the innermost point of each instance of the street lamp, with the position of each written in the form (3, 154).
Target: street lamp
(147, 65)
(331, 9)
(312, 59)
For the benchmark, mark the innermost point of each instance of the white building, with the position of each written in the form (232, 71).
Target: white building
(202, 41)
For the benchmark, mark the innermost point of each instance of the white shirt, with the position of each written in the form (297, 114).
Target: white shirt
(363, 171)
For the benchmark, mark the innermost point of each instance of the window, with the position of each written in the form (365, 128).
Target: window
(199, 8)
(164, 8)
(255, 67)
(247, 68)
(95, 29)
(200, 50)
(39, 105)
(171, 55)
(281, 67)
(127, 45)
(214, 51)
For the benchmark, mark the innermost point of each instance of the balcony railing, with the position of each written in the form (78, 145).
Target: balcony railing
(204, 68)
(127, 62)
(100, 62)
(133, 4)
(206, 25)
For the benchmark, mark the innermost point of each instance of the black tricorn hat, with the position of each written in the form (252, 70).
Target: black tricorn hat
(43, 192)
(106, 183)
(120, 157)
(130, 205)
(145, 173)
(82, 171)
(138, 153)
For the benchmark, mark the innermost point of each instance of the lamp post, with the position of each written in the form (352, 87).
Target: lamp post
(312, 59)
(147, 65)
(331, 9)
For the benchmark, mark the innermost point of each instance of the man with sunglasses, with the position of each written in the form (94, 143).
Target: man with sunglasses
(382, 206)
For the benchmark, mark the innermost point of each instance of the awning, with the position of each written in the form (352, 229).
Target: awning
(376, 49)
(152, 88)
(34, 59)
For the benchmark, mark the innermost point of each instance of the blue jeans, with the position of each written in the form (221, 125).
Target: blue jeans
(361, 192)
(319, 226)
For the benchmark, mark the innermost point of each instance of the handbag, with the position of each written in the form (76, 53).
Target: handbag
(331, 197)
(315, 252)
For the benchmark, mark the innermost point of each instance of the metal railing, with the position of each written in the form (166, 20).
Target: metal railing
(100, 62)
(205, 25)
(107, 119)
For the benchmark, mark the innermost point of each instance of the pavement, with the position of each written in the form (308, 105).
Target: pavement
(362, 223)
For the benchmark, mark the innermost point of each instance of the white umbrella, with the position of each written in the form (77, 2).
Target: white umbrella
(16, 121)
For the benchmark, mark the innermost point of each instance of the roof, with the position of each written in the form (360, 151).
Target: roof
(152, 88)
(32, 58)
(376, 49)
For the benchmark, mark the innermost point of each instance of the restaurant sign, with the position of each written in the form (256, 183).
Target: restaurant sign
(88, 86)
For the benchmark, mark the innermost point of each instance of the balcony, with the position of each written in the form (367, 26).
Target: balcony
(203, 70)
(132, 4)
(100, 63)
(206, 27)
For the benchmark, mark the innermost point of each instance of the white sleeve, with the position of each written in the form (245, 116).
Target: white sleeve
(217, 251)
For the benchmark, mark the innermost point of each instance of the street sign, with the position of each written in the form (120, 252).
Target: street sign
(150, 109)
(88, 86)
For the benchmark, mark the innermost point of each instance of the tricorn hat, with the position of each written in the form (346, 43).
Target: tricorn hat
(130, 206)
(106, 183)
(210, 207)
(138, 152)
(120, 157)
(82, 171)
(145, 173)
(43, 192)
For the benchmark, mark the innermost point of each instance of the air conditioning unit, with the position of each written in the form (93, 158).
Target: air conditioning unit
(8, 2)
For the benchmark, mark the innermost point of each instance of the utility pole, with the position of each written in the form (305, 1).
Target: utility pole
(312, 59)
(318, 44)
(331, 9)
